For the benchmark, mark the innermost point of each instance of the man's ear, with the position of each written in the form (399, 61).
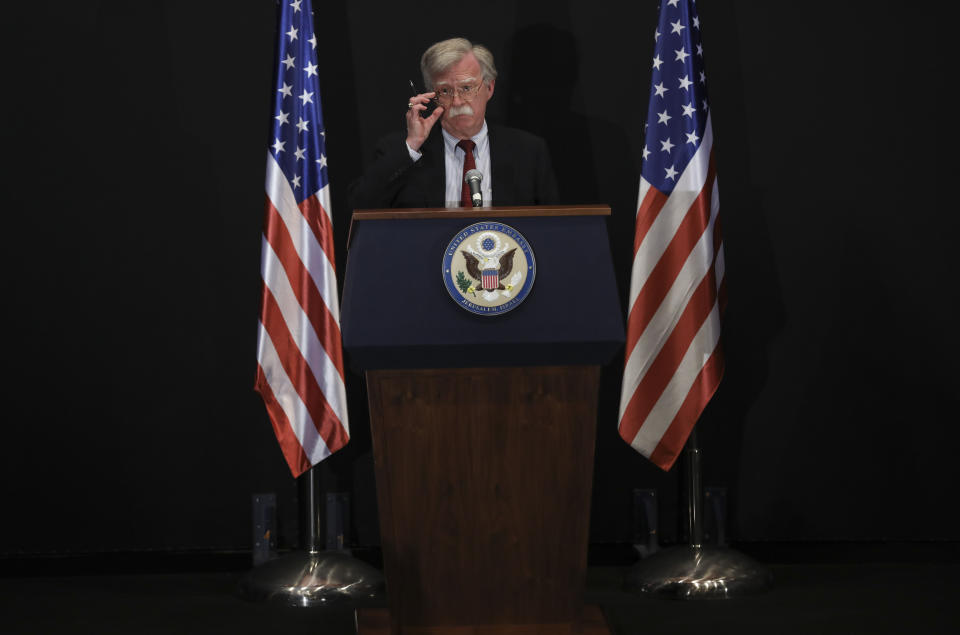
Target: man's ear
(490, 87)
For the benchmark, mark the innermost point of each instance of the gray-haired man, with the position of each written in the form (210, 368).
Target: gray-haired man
(424, 168)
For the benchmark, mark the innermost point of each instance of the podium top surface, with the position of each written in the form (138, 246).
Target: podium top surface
(473, 212)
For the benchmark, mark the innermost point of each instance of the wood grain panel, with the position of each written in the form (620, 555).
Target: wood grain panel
(483, 481)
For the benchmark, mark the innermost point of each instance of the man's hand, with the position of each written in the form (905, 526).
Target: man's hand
(418, 128)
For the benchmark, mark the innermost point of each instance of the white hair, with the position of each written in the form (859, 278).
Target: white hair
(442, 55)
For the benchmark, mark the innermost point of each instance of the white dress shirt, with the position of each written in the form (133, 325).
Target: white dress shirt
(453, 163)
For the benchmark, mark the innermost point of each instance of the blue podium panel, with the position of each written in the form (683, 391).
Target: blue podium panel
(396, 310)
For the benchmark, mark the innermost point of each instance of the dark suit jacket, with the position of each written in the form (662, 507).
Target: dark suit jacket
(520, 162)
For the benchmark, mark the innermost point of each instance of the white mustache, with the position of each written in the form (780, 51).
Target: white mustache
(456, 111)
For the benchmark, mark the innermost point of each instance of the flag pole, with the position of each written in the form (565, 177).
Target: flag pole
(696, 570)
(313, 576)
(694, 489)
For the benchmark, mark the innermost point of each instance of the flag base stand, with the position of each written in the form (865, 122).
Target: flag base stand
(314, 577)
(696, 571)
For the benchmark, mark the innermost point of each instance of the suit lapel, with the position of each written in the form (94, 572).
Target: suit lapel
(500, 163)
(434, 173)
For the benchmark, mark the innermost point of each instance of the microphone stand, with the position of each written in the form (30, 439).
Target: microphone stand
(697, 571)
(314, 577)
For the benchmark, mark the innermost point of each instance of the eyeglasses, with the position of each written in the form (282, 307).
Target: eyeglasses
(446, 94)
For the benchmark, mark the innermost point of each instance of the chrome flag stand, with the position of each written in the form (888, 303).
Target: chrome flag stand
(312, 577)
(697, 571)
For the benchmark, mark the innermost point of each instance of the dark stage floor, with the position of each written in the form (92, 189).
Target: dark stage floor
(813, 594)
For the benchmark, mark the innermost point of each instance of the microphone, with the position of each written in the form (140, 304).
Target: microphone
(473, 178)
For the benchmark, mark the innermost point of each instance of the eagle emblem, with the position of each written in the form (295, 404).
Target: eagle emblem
(488, 268)
(490, 263)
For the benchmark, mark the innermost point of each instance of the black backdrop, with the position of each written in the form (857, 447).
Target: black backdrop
(136, 138)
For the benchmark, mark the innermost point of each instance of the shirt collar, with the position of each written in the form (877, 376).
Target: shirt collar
(450, 142)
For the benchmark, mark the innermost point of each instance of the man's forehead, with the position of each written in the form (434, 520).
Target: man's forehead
(466, 69)
(456, 79)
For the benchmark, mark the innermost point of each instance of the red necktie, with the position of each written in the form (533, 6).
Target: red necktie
(468, 164)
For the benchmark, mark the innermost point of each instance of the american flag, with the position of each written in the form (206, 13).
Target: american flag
(299, 354)
(673, 358)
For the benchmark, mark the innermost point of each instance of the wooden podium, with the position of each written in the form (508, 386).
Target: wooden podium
(483, 426)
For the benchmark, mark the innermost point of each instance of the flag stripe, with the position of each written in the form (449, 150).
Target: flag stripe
(681, 339)
(645, 345)
(314, 209)
(309, 249)
(307, 294)
(665, 223)
(668, 447)
(302, 378)
(682, 383)
(705, 385)
(665, 364)
(649, 207)
(289, 443)
(290, 316)
(664, 274)
(290, 401)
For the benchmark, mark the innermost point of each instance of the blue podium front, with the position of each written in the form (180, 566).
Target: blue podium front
(397, 312)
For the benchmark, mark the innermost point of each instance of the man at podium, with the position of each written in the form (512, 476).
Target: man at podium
(425, 168)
